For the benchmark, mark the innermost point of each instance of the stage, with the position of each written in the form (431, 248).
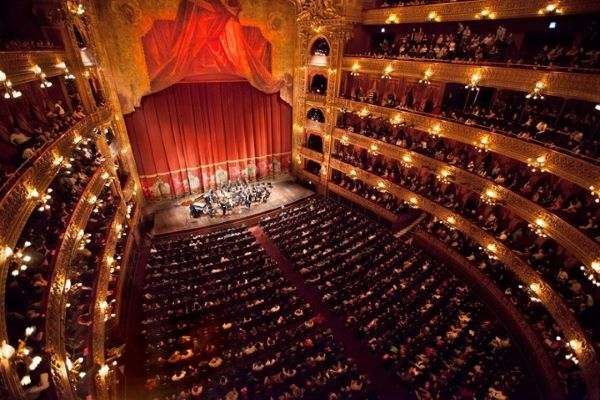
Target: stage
(172, 217)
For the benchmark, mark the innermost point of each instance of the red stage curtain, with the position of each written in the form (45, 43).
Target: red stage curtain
(205, 43)
(193, 136)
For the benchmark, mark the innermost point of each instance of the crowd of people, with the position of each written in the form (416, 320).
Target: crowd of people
(220, 321)
(567, 200)
(553, 122)
(520, 295)
(24, 139)
(421, 322)
(81, 295)
(544, 254)
(32, 262)
(232, 195)
(468, 44)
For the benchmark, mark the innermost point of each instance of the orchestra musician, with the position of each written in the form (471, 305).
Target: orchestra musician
(230, 196)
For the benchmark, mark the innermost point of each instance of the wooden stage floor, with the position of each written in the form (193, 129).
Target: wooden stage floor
(172, 217)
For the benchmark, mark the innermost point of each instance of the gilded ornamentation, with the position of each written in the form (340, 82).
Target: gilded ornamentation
(557, 83)
(576, 242)
(551, 300)
(56, 307)
(570, 168)
(468, 10)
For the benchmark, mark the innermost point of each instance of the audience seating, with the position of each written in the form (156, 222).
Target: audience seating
(220, 321)
(422, 323)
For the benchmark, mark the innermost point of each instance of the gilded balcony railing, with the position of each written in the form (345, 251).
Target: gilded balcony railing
(390, 216)
(468, 10)
(17, 203)
(576, 242)
(317, 99)
(311, 125)
(585, 351)
(311, 154)
(568, 85)
(102, 309)
(56, 307)
(17, 65)
(560, 164)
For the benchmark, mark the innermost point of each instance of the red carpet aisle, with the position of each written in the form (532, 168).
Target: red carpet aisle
(382, 381)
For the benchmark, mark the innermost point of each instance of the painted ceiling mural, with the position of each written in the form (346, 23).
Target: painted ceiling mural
(128, 24)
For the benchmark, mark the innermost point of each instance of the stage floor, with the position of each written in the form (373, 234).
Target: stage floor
(172, 217)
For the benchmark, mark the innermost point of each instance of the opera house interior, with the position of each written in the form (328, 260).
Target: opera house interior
(299, 199)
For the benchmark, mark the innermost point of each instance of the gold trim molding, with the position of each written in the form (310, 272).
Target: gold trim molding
(17, 65)
(586, 353)
(56, 307)
(560, 164)
(99, 324)
(576, 242)
(466, 10)
(569, 85)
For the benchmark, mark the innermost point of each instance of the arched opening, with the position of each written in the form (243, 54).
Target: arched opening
(81, 43)
(315, 142)
(312, 167)
(319, 52)
(318, 84)
(314, 114)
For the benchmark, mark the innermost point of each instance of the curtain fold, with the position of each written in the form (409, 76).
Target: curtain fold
(194, 136)
(206, 42)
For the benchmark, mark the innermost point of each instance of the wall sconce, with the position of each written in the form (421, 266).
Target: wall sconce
(535, 287)
(413, 202)
(392, 19)
(595, 193)
(33, 194)
(6, 350)
(353, 174)
(44, 201)
(444, 176)
(103, 371)
(331, 71)
(433, 16)
(489, 197)
(406, 161)
(551, 9)
(355, 69)
(373, 149)
(299, 159)
(323, 170)
(435, 130)
(9, 92)
(537, 164)
(387, 72)
(450, 222)
(344, 140)
(473, 84)
(396, 121)
(44, 83)
(426, 75)
(485, 14)
(538, 227)
(594, 276)
(536, 94)
(363, 113)
(381, 186)
(483, 145)
(67, 74)
(75, 7)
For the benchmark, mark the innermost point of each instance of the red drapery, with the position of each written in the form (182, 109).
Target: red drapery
(206, 42)
(193, 136)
